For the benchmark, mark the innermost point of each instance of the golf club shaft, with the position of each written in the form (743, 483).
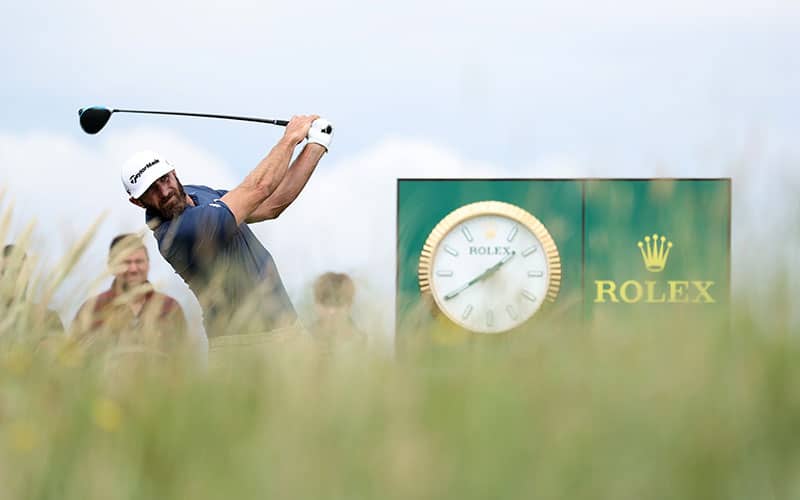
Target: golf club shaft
(281, 123)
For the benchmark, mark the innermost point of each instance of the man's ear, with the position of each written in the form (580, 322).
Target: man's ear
(136, 202)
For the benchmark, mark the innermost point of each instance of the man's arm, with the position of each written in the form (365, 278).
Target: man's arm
(83, 320)
(174, 331)
(293, 183)
(259, 184)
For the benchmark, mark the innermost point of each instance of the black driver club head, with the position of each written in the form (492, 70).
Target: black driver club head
(94, 118)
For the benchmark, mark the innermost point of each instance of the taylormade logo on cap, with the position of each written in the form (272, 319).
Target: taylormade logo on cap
(142, 170)
(135, 177)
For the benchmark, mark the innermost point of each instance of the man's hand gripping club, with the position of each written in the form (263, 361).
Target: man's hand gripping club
(269, 189)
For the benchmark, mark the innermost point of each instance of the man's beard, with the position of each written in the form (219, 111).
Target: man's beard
(177, 204)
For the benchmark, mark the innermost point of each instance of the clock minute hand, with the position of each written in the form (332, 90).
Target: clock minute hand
(488, 272)
(497, 266)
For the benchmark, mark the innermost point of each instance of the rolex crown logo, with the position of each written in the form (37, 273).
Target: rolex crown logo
(655, 252)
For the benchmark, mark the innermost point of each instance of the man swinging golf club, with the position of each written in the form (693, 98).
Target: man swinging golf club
(203, 233)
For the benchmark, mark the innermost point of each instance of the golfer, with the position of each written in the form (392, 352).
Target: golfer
(203, 233)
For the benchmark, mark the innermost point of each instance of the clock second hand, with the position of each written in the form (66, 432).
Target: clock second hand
(481, 276)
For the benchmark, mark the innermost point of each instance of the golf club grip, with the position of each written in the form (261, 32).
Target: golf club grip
(281, 123)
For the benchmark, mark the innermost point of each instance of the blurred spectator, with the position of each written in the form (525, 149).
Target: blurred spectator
(131, 312)
(37, 321)
(333, 300)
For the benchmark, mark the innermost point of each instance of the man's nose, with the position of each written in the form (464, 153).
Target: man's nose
(163, 189)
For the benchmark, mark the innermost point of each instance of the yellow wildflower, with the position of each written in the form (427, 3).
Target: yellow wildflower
(24, 437)
(107, 414)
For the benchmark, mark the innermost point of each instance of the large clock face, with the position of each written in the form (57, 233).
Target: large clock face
(490, 266)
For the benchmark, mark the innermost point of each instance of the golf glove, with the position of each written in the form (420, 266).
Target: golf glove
(321, 132)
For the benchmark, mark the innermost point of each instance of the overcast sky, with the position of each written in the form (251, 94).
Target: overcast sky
(446, 89)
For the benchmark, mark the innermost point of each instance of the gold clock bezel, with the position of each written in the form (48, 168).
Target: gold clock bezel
(481, 208)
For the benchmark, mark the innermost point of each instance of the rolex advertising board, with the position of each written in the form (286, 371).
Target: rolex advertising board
(479, 258)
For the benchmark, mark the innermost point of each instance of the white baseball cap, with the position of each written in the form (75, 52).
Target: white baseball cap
(142, 170)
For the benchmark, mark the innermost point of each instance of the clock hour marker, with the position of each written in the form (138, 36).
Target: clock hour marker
(467, 234)
(444, 273)
(528, 295)
(467, 312)
(535, 274)
(452, 251)
(512, 313)
(489, 318)
(512, 233)
(528, 251)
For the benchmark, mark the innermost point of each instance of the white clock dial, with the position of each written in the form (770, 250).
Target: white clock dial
(490, 272)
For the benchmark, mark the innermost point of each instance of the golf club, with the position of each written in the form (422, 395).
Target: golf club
(94, 118)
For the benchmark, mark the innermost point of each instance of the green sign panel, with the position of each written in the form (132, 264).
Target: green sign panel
(492, 258)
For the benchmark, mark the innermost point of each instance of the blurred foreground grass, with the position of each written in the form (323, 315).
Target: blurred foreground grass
(636, 414)
(666, 411)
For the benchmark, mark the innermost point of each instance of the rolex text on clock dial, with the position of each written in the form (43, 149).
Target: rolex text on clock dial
(491, 268)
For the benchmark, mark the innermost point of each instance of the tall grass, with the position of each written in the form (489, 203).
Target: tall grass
(687, 412)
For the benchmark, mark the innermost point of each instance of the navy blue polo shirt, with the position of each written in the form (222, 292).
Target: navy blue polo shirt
(230, 272)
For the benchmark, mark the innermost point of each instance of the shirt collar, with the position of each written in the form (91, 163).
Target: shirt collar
(112, 292)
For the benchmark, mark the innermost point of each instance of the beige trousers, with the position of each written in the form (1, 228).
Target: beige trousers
(231, 351)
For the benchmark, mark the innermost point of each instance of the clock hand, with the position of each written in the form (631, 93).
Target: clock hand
(488, 272)
(457, 291)
(464, 287)
(497, 266)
